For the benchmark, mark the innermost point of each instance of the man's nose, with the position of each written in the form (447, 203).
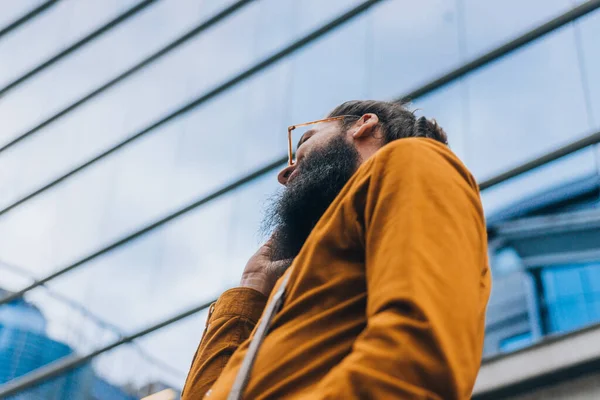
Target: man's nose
(285, 173)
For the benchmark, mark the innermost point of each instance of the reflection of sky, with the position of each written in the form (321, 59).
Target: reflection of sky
(504, 114)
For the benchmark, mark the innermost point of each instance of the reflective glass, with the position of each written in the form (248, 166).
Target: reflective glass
(508, 112)
(571, 297)
(526, 104)
(516, 342)
(48, 34)
(408, 43)
(98, 62)
(11, 11)
(489, 24)
(548, 177)
(589, 28)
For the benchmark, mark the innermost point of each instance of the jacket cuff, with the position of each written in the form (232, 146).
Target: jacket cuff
(240, 302)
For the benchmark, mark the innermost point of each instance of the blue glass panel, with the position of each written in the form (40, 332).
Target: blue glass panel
(568, 314)
(516, 342)
(593, 277)
(568, 281)
(572, 296)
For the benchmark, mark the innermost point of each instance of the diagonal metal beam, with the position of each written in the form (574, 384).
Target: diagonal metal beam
(132, 70)
(261, 65)
(499, 52)
(589, 140)
(81, 42)
(27, 17)
(68, 363)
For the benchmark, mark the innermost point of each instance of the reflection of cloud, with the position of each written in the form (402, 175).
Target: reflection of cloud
(392, 49)
(14, 10)
(538, 92)
(490, 24)
(49, 33)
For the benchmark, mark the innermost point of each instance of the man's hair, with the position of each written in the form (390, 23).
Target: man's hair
(395, 120)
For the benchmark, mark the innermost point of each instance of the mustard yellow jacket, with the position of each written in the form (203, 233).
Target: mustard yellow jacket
(386, 299)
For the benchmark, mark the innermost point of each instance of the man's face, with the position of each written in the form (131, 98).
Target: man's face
(325, 161)
(318, 137)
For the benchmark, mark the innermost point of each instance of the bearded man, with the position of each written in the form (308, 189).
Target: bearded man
(375, 280)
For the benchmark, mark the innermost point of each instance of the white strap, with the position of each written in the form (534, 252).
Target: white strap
(261, 332)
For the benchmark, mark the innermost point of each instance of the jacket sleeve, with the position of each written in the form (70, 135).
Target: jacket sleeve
(230, 321)
(427, 281)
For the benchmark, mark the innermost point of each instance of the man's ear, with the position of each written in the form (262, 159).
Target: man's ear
(366, 126)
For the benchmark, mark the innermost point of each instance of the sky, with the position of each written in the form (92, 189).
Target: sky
(540, 97)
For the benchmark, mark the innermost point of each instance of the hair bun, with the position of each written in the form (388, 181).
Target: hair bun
(430, 129)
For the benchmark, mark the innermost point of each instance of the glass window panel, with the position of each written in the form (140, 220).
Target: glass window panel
(188, 261)
(590, 276)
(567, 281)
(409, 44)
(175, 345)
(311, 14)
(14, 276)
(594, 308)
(100, 61)
(204, 150)
(160, 357)
(516, 342)
(48, 33)
(322, 78)
(185, 263)
(69, 321)
(136, 103)
(26, 237)
(132, 105)
(490, 24)
(47, 232)
(526, 104)
(537, 181)
(550, 286)
(593, 277)
(276, 25)
(567, 315)
(13, 10)
(571, 299)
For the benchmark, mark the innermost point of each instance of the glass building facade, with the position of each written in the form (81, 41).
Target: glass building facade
(545, 257)
(529, 102)
(25, 347)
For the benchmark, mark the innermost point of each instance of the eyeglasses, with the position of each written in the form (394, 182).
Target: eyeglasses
(291, 152)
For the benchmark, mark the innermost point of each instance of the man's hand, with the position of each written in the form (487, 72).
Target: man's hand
(261, 272)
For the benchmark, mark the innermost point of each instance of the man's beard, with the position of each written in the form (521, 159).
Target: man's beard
(295, 211)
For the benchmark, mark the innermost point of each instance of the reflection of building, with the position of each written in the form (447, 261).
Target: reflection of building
(545, 253)
(24, 347)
